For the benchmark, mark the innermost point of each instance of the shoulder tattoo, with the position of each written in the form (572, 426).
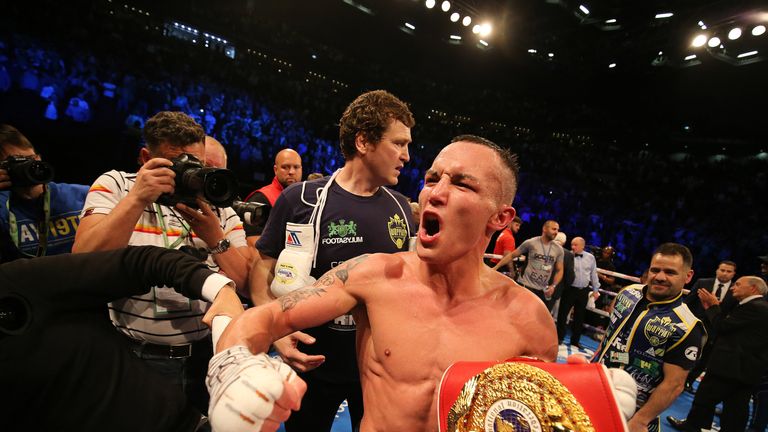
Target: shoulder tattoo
(343, 272)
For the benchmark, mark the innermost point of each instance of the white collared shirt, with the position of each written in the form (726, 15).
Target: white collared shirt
(726, 287)
(750, 298)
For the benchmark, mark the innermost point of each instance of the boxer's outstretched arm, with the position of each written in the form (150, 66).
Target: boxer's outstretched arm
(328, 298)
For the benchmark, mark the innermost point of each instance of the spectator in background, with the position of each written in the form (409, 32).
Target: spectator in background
(36, 219)
(719, 286)
(567, 279)
(505, 243)
(576, 294)
(739, 358)
(607, 283)
(215, 153)
(315, 176)
(544, 258)
(287, 172)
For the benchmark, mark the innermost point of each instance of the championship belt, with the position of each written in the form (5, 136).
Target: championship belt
(527, 395)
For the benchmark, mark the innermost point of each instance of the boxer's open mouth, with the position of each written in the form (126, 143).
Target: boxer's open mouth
(431, 224)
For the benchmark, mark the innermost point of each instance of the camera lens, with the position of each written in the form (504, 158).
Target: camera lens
(40, 172)
(220, 188)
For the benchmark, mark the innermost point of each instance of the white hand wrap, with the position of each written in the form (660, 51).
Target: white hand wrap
(624, 390)
(244, 388)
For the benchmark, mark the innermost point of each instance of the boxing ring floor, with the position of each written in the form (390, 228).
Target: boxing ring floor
(678, 409)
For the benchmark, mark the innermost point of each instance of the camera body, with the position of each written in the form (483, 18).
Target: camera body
(217, 186)
(27, 171)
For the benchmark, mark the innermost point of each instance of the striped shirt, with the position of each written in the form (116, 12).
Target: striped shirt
(161, 316)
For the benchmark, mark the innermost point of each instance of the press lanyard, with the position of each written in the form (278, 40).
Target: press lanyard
(161, 221)
(42, 227)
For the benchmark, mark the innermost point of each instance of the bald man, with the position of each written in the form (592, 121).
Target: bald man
(215, 154)
(576, 295)
(287, 172)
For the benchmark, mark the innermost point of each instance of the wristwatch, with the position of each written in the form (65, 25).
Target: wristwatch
(220, 247)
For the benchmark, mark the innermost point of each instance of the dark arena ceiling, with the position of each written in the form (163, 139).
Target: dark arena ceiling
(549, 50)
(607, 68)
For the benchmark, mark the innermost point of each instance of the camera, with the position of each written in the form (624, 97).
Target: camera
(251, 213)
(27, 171)
(217, 186)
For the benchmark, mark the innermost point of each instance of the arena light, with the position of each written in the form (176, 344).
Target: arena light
(455, 17)
(476, 29)
(714, 41)
(612, 65)
(484, 43)
(699, 40)
(532, 51)
(429, 4)
(734, 34)
(690, 57)
(611, 21)
(445, 6)
(410, 26)
(467, 21)
(747, 54)
(456, 37)
(758, 30)
(485, 29)
(551, 55)
(584, 9)
(663, 15)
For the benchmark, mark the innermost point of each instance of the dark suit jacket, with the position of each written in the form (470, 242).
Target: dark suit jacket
(693, 302)
(69, 368)
(741, 348)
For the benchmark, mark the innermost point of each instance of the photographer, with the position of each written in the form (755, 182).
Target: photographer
(153, 207)
(37, 217)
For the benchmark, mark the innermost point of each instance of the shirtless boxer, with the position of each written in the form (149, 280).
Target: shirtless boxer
(419, 312)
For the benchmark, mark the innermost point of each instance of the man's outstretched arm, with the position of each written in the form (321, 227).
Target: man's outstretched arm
(328, 298)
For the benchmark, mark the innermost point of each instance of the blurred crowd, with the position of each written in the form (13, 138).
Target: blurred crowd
(105, 76)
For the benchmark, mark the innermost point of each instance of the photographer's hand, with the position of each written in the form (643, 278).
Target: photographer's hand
(153, 179)
(207, 226)
(5, 180)
(205, 223)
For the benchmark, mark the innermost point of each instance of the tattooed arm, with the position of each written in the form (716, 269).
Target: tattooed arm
(329, 297)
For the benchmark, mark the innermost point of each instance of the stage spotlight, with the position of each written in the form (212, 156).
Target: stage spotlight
(445, 6)
(467, 21)
(734, 34)
(664, 15)
(584, 9)
(476, 29)
(714, 41)
(747, 54)
(429, 4)
(699, 40)
(758, 30)
(485, 29)
(455, 17)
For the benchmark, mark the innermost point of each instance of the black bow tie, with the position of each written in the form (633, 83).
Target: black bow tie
(579, 255)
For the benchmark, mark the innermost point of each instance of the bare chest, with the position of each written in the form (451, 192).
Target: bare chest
(419, 338)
